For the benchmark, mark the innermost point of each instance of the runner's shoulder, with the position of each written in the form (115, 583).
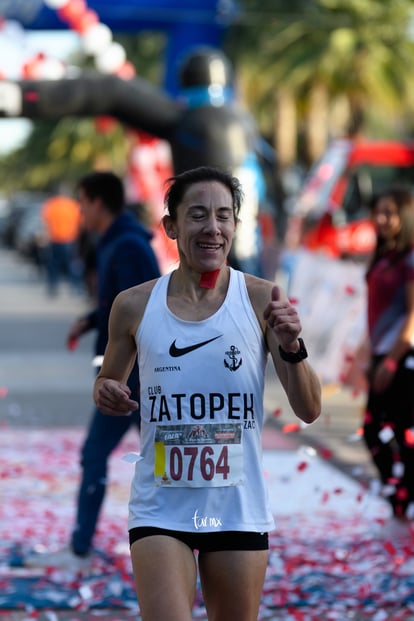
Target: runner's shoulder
(135, 298)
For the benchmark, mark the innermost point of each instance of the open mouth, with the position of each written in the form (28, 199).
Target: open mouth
(209, 246)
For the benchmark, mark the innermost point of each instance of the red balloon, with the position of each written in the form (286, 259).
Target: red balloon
(72, 10)
(84, 21)
(126, 71)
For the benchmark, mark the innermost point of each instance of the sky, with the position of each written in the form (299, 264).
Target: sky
(17, 46)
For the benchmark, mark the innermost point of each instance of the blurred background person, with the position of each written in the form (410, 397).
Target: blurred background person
(62, 217)
(389, 416)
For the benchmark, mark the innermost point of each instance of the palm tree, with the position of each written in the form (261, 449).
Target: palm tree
(306, 60)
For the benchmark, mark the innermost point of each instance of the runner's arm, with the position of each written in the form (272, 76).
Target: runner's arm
(111, 393)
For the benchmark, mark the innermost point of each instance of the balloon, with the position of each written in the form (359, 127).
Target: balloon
(56, 4)
(51, 69)
(72, 10)
(85, 21)
(96, 39)
(111, 59)
(126, 71)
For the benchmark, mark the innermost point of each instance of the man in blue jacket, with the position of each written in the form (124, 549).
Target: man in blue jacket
(124, 258)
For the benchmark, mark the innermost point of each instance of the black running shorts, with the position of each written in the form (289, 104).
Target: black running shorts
(207, 542)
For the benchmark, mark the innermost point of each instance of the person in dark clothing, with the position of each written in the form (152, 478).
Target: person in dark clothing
(124, 258)
(389, 413)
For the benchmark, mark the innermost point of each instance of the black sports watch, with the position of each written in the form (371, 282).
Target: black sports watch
(298, 356)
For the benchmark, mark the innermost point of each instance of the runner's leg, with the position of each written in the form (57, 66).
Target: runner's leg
(165, 575)
(232, 583)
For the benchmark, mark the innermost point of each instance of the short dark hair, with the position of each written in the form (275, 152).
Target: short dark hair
(104, 185)
(180, 183)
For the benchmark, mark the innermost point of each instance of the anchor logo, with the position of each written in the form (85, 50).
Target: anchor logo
(233, 353)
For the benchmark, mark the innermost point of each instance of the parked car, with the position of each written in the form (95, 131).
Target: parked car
(30, 238)
(19, 204)
(4, 215)
(331, 212)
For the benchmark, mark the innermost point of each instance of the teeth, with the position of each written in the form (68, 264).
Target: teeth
(211, 247)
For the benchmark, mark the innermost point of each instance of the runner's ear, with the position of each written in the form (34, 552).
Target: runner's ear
(169, 227)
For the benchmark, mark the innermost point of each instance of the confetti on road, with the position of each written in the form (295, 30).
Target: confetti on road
(335, 554)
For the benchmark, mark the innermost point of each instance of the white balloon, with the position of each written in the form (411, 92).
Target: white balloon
(111, 59)
(56, 4)
(52, 69)
(96, 39)
(13, 29)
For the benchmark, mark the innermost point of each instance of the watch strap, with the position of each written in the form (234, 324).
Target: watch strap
(294, 357)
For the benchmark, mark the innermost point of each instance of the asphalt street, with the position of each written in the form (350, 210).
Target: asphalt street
(46, 384)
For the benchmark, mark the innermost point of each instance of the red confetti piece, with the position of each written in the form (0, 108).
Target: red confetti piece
(3, 392)
(291, 428)
(367, 418)
(349, 357)
(390, 548)
(350, 290)
(402, 493)
(409, 437)
(72, 343)
(294, 300)
(277, 412)
(302, 466)
(325, 453)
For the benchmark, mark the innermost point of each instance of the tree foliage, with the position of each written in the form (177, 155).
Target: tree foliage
(359, 50)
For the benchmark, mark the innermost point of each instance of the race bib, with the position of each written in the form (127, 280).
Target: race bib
(198, 455)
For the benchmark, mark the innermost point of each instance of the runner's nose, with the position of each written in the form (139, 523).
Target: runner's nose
(212, 225)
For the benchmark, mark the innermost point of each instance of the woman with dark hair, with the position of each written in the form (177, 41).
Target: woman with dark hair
(389, 415)
(202, 334)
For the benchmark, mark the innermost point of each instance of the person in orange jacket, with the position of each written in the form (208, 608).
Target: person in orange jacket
(62, 219)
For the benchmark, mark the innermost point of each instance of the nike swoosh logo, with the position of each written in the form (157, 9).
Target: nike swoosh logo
(175, 351)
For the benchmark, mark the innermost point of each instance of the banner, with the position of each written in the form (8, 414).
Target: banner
(330, 295)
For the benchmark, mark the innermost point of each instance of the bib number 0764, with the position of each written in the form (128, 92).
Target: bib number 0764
(185, 461)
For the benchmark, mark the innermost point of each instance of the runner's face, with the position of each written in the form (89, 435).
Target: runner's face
(386, 218)
(205, 225)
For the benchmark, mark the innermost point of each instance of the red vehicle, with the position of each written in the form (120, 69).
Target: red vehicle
(331, 214)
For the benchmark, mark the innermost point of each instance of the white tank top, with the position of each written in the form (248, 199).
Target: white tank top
(202, 382)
